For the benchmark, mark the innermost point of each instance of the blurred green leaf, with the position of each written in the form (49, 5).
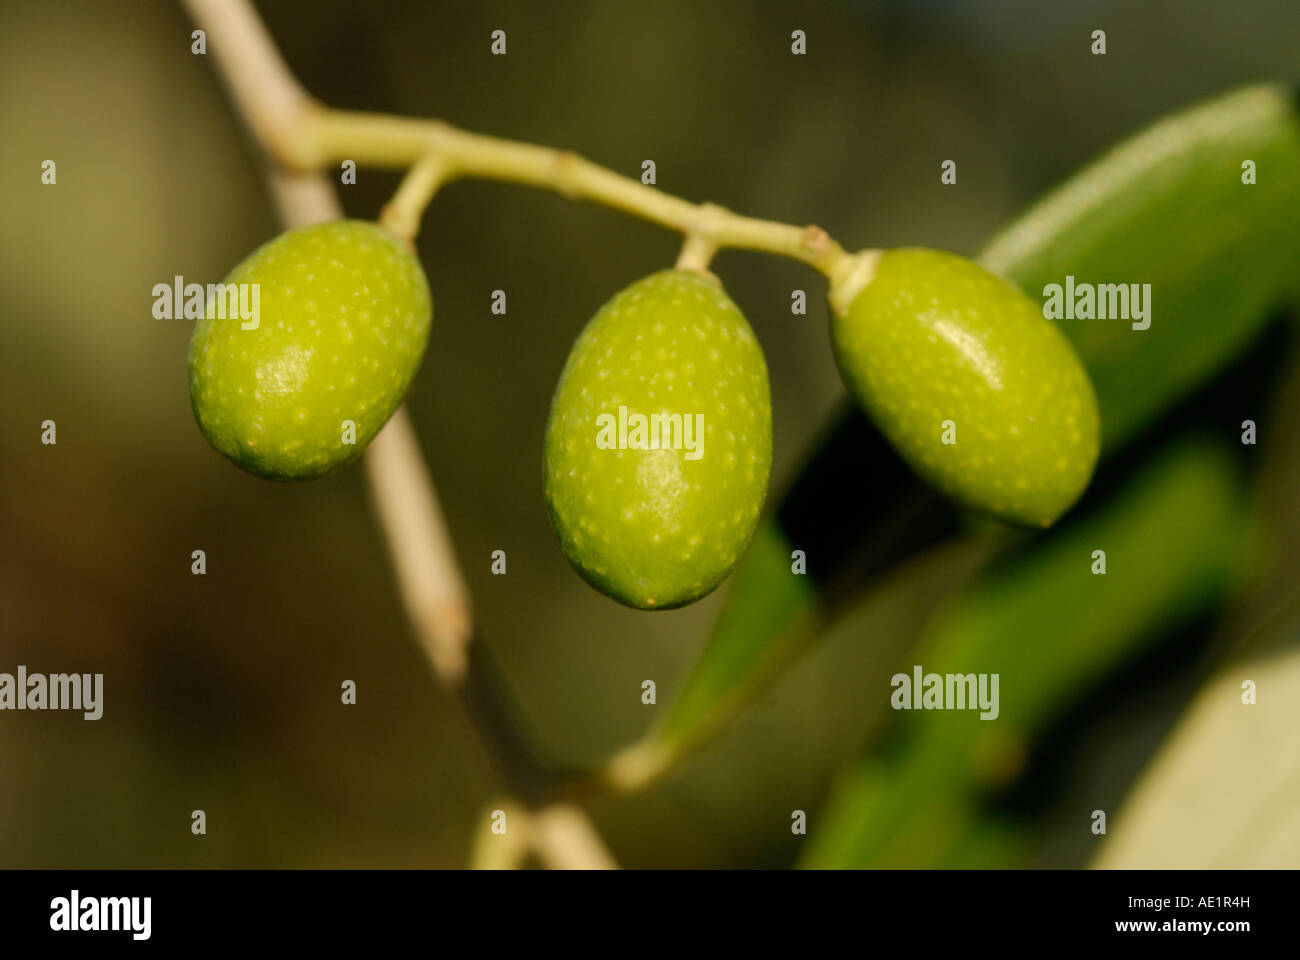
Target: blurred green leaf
(1275, 561)
(1224, 791)
(1168, 208)
(771, 601)
(1050, 628)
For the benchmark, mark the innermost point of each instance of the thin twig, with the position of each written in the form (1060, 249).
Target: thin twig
(506, 850)
(565, 840)
(269, 98)
(401, 215)
(324, 136)
(305, 135)
(406, 505)
(561, 835)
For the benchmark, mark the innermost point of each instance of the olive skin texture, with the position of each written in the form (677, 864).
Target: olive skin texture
(659, 528)
(937, 348)
(344, 320)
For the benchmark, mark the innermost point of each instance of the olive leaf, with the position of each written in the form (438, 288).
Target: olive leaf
(1048, 627)
(1169, 208)
(1224, 791)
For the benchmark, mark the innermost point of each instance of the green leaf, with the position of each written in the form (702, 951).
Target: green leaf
(1168, 208)
(771, 603)
(1049, 628)
(1224, 791)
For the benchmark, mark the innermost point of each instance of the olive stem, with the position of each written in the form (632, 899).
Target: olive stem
(305, 135)
(402, 214)
(323, 136)
(850, 276)
(696, 255)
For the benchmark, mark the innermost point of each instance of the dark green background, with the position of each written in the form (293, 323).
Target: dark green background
(222, 692)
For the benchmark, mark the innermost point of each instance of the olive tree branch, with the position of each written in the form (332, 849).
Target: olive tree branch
(560, 835)
(564, 839)
(405, 499)
(305, 135)
(323, 136)
(502, 851)
(406, 503)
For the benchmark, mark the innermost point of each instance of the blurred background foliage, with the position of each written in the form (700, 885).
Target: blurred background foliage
(222, 692)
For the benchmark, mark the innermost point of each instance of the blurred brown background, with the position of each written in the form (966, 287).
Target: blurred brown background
(222, 691)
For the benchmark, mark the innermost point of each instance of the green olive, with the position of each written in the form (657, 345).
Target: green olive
(982, 395)
(300, 390)
(655, 513)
